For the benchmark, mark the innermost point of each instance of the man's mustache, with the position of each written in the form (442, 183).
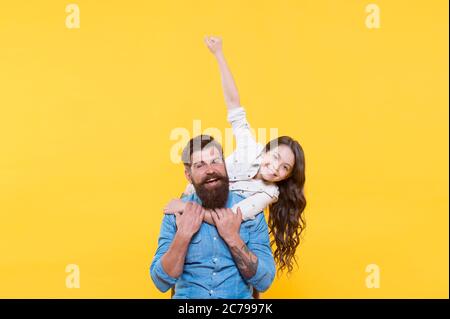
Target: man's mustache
(212, 176)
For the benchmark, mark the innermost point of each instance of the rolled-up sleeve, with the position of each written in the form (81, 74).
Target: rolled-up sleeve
(253, 205)
(160, 278)
(246, 145)
(259, 244)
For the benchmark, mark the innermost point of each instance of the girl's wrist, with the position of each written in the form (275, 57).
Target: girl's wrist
(219, 54)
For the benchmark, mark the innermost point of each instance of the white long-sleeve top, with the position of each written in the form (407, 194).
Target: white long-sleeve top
(242, 166)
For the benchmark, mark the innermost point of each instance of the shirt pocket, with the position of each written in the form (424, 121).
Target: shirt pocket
(194, 252)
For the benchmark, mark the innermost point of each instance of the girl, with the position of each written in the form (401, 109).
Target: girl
(267, 176)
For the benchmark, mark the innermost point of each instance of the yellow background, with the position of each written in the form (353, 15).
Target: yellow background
(86, 115)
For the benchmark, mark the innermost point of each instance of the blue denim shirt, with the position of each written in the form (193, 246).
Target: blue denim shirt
(209, 268)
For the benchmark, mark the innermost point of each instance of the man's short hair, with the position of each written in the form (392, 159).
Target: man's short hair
(198, 143)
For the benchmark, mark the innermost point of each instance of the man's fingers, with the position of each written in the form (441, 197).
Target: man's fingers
(228, 212)
(197, 208)
(239, 212)
(221, 213)
(218, 213)
(193, 206)
(202, 214)
(215, 217)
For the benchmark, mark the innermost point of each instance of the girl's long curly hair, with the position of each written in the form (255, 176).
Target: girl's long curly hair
(286, 217)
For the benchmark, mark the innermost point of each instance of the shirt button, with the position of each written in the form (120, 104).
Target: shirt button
(215, 259)
(215, 238)
(211, 292)
(214, 273)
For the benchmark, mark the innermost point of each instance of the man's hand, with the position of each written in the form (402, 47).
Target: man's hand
(187, 225)
(190, 221)
(208, 216)
(228, 223)
(214, 44)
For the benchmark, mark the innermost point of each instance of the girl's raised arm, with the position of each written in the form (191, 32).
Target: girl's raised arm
(230, 91)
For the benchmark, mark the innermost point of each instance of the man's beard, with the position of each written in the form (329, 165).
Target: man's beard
(213, 197)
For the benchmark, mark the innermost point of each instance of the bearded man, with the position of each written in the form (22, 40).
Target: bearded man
(226, 259)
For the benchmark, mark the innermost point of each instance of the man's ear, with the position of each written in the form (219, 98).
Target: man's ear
(188, 175)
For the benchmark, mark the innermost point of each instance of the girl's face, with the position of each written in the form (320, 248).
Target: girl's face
(277, 164)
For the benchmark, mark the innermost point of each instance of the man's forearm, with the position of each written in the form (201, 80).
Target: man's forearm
(246, 261)
(173, 260)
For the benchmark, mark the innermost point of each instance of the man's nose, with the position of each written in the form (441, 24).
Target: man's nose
(209, 169)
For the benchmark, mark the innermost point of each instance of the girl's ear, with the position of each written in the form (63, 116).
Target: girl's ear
(188, 175)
